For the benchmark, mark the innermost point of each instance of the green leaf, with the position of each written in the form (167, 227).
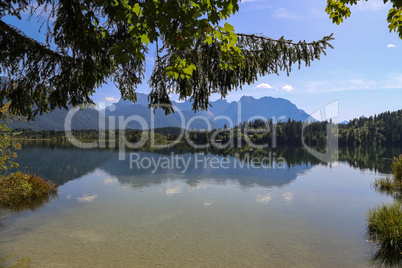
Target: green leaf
(137, 9)
(145, 39)
(228, 28)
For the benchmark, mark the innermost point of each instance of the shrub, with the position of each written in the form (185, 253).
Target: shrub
(397, 168)
(384, 184)
(20, 189)
(389, 187)
(385, 226)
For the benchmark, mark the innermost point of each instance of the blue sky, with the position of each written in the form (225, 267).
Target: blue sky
(363, 71)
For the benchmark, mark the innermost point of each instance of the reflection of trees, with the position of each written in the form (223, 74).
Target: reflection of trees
(61, 162)
(373, 158)
(31, 205)
(386, 257)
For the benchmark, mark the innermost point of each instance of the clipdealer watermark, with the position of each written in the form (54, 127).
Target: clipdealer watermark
(180, 163)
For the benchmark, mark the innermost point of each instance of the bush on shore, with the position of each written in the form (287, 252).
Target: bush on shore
(392, 186)
(384, 223)
(385, 226)
(397, 168)
(19, 189)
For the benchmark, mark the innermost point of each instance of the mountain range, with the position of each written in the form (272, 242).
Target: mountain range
(220, 113)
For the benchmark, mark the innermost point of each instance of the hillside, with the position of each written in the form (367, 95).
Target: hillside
(247, 107)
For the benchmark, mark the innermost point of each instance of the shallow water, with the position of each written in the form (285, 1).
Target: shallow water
(108, 215)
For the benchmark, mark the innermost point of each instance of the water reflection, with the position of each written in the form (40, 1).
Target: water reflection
(205, 216)
(87, 198)
(384, 257)
(63, 162)
(391, 255)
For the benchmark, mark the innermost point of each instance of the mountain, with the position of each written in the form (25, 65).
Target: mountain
(249, 108)
(220, 113)
(82, 119)
(177, 119)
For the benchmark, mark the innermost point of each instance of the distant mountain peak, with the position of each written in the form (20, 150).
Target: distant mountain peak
(246, 98)
(220, 113)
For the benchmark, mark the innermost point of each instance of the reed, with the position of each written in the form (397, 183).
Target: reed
(19, 189)
(384, 226)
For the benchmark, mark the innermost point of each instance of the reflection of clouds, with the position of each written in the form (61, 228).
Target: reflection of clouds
(126, 186)
(69, 197)
(87, 198)
(288, 198)
(198, 186)
(109, 180)
(208, 202)
(263, 199)
(174, 190)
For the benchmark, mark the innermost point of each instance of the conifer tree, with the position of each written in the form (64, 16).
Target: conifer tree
(89, 42)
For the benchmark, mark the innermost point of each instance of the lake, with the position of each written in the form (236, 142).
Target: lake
(198, 209)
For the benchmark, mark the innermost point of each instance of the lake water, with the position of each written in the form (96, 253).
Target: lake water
(303, 214)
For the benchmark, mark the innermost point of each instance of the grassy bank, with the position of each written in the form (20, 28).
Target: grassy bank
(384, 223)
(24, 190)
(385, 226)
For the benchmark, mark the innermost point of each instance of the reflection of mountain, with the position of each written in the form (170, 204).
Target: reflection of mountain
(195, 168)
(62, 162)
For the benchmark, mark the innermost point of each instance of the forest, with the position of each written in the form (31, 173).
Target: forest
(384, 129)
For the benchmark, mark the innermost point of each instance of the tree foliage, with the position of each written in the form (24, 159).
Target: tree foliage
(7, 151)
(90, 42)
(339, 10)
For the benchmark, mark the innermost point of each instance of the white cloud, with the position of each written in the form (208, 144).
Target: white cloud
(282, 13)
(371, 5)
(254, 4)
(111, 99)
(339, 85)
(288, 88)
(391, 81)
(391, 45)
(319, 13)
(101, 106)
(263, 85)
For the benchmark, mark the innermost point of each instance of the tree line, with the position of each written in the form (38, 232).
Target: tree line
(384, 129)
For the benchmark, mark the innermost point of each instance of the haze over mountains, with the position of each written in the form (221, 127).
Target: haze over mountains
(221, 113)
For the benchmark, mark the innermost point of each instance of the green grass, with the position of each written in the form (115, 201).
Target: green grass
(20, 191)
(397, 168)
(392, 186)
(385, 226)
(387, 184)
